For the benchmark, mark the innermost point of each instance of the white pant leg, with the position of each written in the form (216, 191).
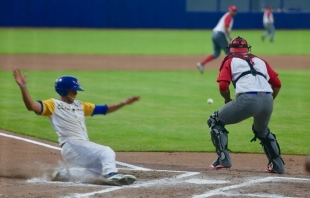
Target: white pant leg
(89, 155)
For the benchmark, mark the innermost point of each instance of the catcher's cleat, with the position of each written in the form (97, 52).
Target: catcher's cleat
(216, 162)
(270, 170)
(121, 179)
(218, 167)
(200, 67)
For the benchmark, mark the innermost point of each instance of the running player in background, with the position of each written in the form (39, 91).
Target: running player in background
(219, 40)
(268, 22)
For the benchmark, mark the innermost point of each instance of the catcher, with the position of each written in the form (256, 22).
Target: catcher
(88, 162)
(256, 85)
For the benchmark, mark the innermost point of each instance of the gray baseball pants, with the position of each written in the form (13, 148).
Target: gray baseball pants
(219, 43)
(259, 106)
(270, 30)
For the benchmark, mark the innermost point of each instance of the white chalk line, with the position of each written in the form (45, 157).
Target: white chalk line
(219, 191)
(30, 141)
(172, 180)
(156, 170)
(206, 181)
(57, 148)
(264, 195)
(110, 189)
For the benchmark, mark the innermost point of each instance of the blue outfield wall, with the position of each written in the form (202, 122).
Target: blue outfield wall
(162, 14)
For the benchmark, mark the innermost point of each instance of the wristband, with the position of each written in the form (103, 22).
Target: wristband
(24, 85)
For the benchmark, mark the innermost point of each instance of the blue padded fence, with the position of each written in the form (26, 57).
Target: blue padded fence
(162, 14)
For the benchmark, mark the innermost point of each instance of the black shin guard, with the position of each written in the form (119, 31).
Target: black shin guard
(219, 140)
(272, 150)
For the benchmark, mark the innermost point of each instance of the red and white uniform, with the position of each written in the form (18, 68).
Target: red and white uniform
(268, 17)
(226, 21)
(234, 67)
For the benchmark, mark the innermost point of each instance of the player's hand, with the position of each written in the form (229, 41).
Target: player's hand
(19, 78)
(132, 99)
(227, 100)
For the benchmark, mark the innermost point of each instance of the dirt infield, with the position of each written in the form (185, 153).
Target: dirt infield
(131, 62)
(25, 162)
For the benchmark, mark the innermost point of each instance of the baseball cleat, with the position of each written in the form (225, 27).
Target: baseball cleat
(121, 179)
(218, 167)
(263, 38)
(270, 170)
(200, 67)
(277, 166)
(60, 175)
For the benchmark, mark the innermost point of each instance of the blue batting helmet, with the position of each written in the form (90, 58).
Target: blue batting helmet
(66, 83)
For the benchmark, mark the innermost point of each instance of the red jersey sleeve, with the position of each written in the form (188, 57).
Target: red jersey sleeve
(225, 72)
(227, 20)
(223, 85)
(274, 81)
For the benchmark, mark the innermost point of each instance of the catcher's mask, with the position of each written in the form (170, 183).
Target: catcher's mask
(239, 45)
(66, 83)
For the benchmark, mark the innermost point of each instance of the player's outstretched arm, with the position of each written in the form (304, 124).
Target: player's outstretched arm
(21, 80)
(128, 101)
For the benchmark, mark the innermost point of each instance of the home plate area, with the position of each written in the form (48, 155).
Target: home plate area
(25, 162)
(168, 183)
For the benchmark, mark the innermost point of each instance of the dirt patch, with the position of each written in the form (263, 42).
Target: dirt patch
(23, 165)
(131, 62)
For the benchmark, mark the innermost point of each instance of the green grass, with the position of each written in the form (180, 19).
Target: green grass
(171, 115)
(105, 41)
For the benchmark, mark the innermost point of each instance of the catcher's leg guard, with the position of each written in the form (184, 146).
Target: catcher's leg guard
(220, 141)
(272, 151)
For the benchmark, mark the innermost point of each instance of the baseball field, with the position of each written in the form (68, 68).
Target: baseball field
(164, 136)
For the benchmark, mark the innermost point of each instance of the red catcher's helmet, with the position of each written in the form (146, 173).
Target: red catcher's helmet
(239, 45)
(232, 8)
